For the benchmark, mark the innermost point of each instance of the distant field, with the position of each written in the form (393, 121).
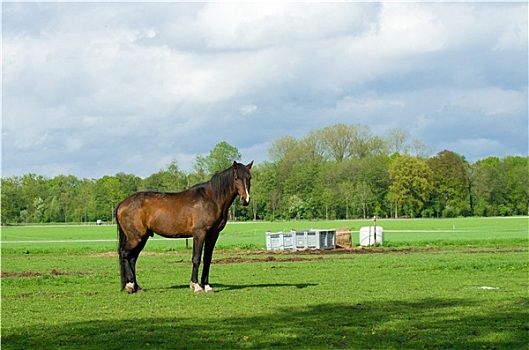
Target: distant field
(251, 235)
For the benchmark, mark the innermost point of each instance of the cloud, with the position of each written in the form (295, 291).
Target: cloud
(99, 88)
(260, 26)
(247, 109)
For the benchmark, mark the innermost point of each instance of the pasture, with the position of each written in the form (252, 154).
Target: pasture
(437, 283)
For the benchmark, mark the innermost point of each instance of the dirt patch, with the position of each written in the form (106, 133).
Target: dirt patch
(494, 251)
(53, 272)
(237, 260)
(105, 254)
(21, 274)
(354, 250)
(363, 250)
(115, 254)
(302, 255)
(242, 259)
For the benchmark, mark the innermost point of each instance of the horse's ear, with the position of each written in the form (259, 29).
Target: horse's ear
(235, 167)
(249, 166)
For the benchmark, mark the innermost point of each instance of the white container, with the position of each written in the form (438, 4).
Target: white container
(300, 238)
(279, 240)
(367, 236)
(315, 239)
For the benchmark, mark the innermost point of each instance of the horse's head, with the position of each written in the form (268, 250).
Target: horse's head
(241, 174)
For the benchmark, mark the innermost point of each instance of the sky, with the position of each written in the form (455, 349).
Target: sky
(92, 89)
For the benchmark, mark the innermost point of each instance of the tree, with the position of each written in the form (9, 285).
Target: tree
(62, 192)
(500, 186)
(312, 148)
(329, 173)
(337, 141)
(412, 184)
(364, 196)
(296, 207)
(396, 140)
(170, 179)
(516, 184)
(346, 191)
(450, 183)
(33, 190)
(374, 171)
(84, 203)
(485, 185)
(301, 184)
(363, 142)
(282, 148)
(108, 196)
(267, 189)
(12, 203)
(220, 158)
(419, 149)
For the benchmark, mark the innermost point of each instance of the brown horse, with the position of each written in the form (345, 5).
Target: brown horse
(200, 212)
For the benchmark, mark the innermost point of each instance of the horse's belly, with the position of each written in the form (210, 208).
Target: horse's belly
(174, 235)
(171, 228)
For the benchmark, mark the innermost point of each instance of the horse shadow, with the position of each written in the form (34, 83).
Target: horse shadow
(220, 287)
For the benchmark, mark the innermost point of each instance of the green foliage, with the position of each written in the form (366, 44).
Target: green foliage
(412, 184)
(450, 184)
(170, 179)
(338, 172)
(220, 157)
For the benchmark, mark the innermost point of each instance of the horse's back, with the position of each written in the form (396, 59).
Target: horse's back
(169, 214)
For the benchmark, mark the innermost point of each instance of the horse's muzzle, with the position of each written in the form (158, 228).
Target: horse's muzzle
(245, 202)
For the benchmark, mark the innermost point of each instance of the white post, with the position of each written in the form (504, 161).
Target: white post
(375, 228)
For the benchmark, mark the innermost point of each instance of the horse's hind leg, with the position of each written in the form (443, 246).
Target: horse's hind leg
(128, 256)
(198, 244)
(128, 278)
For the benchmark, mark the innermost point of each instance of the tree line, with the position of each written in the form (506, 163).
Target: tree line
(338, 172)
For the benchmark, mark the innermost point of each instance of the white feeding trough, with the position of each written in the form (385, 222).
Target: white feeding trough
(371, 235)
(280, 240)
(306, 239)
(315, 239)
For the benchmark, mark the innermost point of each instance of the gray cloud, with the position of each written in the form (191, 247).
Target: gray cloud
(98, 88)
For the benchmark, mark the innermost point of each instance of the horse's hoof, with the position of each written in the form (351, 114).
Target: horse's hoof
(129, 287)
(195, 287)
(208, 289)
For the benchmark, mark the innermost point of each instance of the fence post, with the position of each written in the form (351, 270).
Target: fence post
(375, 228)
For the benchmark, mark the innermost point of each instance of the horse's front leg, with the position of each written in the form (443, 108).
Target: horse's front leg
(198, 243)
(209, 245)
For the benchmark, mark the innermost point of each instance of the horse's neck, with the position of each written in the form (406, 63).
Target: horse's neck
(225, 201)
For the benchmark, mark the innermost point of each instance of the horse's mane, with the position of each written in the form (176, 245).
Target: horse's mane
(222, 183)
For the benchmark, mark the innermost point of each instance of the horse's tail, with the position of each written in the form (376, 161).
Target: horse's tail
(122, 241)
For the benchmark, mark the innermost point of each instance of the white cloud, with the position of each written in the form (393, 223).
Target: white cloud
(492, 101)
(277, 24)
(73, 144)
(126, 86)
(247, 109)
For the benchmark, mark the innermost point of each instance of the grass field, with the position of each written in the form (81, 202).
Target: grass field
(439, 284)
(250, 235)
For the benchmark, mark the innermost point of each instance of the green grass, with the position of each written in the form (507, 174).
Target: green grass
(397, 300)
(424, 290)
(251, 235)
